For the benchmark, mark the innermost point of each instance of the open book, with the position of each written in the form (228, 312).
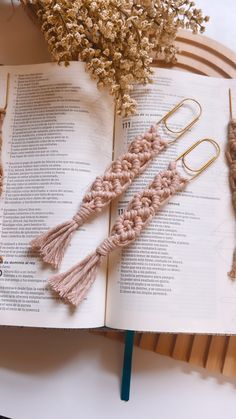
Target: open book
(59, 133)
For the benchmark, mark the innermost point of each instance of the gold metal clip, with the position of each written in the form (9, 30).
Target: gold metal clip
(7, 94)
(172, 111)
(205, 165)
(230, 105)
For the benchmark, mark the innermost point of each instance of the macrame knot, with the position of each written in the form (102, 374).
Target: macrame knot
(84, 212)
(231, 158)
(148, 201)
(106, 247)
(127, 228)
(234, 198)
(130, 166)
(144, 205)
(233, 174)
(233, 124)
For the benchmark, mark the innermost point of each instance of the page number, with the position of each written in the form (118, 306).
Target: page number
(126, 125)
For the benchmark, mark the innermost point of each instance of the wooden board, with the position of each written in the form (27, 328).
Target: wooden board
(201, 55)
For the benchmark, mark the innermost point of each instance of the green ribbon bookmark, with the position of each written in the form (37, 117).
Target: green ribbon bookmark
(127, 365)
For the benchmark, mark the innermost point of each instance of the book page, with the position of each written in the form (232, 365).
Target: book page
(174, 277)
(57, 137)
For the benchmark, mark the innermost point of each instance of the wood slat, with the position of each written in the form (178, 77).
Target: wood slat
(137, 338)
(148, 341)
(207, 44)
(199, 350)
(216, 354)
(182, 347)
(165, 344)
(229, 367)
(190, 64)
(215, 67)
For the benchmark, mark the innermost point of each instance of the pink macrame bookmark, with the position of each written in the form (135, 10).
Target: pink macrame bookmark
(74, 284)
(116, 179)
(231, 158)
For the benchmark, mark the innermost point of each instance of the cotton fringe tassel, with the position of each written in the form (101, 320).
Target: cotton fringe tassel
(74, 284)
(51, 246)
(231, 158)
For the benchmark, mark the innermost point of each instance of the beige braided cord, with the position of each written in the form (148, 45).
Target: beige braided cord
(51, 245)
(2, 116)
(74, 284)
(231, 158)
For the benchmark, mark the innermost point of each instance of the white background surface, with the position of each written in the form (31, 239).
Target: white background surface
(46, 374)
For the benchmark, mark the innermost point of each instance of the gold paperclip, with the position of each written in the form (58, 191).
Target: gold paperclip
(172, 111)
(7, 94)
(205, 165)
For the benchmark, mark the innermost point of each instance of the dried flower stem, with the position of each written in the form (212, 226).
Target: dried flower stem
(116, 38)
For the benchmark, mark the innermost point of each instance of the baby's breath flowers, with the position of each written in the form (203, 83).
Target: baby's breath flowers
(117, 39)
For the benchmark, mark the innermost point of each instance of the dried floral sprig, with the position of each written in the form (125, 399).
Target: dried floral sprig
(116, 38)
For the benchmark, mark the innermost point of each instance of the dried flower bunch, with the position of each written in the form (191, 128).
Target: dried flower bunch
(116, 38)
